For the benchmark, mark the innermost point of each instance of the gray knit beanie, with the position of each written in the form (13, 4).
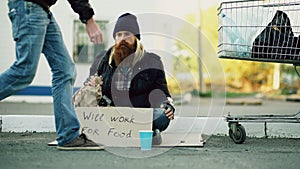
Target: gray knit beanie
(127, 22)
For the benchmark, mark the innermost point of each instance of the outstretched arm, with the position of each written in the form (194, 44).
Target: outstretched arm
(86, 13)
(94, 32)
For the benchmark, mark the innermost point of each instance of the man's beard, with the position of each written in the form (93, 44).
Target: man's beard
(122, 51)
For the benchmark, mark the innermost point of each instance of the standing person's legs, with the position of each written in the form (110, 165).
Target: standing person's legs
(64, 74)
(29, 40)
(34, 31)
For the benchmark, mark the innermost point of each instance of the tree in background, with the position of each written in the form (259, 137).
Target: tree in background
(289, 80)
(241, 76)
(248, 76)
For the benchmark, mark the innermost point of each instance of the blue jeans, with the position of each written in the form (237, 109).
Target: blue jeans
(160, 120)
(35, 31)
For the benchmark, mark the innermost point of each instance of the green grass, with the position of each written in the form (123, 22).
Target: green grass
(227, 94)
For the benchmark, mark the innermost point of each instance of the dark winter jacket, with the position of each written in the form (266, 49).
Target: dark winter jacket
(148, 86)
(82, 7)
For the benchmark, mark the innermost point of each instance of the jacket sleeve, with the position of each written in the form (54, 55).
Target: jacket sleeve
(94, 66)
(96, 63)
(83, 8)
(161, 82)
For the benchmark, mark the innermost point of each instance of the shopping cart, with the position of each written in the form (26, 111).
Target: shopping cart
(264, 31)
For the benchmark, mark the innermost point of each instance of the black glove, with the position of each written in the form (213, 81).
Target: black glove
(104, 101)
(169, 104)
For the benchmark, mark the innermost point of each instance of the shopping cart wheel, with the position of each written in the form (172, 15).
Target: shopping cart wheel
(239, 136)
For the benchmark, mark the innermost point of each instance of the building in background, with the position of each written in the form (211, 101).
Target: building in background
(78, 43)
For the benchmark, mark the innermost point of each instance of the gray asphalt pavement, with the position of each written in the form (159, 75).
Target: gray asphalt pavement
(30, 151)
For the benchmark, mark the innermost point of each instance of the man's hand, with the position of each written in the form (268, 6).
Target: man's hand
(169, 113)
(94, 32)
(169, 107)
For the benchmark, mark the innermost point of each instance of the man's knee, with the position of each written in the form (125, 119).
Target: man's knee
(24, 78)
(160, 120)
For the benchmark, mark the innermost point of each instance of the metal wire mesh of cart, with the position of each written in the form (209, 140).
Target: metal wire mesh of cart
(260, 30)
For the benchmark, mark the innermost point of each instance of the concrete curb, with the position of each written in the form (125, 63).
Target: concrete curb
(203, 125)
(30, 123)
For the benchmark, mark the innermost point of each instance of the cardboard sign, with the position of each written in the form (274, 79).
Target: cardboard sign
(115, 126)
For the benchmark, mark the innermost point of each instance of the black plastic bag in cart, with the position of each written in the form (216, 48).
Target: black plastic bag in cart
(277, 41)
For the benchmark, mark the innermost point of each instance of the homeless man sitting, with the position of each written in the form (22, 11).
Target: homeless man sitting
(133, 77)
